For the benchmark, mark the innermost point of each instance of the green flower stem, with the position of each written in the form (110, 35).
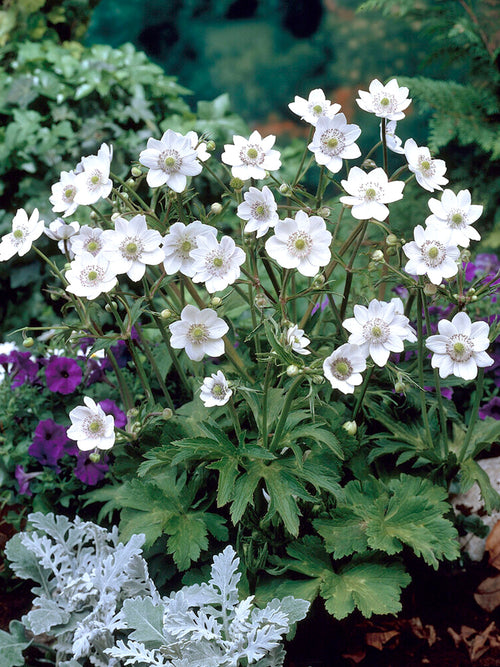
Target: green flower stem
(180, 208)
(130, 190)
(329, 270)
(235, 418)
(362, 393)
(303, 159)
(269, 270)
(372, 150)
(349, 272)
(219, 181)
(52, 265)
(149, 355)
(384, 146)
(320, 190)
(140, 370)
(285, 412)
(421, 356)
(265, 391)
(464, 451)
(437, 383)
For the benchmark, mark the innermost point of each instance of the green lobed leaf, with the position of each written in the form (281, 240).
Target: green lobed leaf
(188, 537)
(12, 645)
(470, 472)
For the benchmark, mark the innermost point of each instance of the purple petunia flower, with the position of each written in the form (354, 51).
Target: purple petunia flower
(89, 472)
(23, 368)
(110, 408)
(63, 375)
(23, 479)
(49, 443)
(491, 409)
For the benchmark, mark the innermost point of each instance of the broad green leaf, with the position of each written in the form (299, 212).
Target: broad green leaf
(280, 489)
(228, 472)
(188, 537)
(486, 432)
(321, 435)
(12, 645)
(344, 533)
(244, 489)
(470, 472)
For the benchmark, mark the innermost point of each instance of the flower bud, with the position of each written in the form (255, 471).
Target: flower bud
(400, 386)
(318, 281)
(292, 370)
(167, 414)
(473, 297)
(392, 239)
(351, 427)
(215, 301)
(465, 255)
(368, 164)
(125, 195)
(130, 182)
(165, 314)
(236, 183)
(133, 412)
(93, 215)
(392, 250)
(285, 189)
(377, 256)
(28, 342)
(216, 208)
(318, 379)
(115, 215)
(210, 145)
(261, 301)
(430, 289)
(136, 172)
(324, 212)
(95, 457)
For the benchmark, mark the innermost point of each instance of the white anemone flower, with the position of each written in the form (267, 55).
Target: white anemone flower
(259, 209)
(429, 172)
(130, 246)
(458, 214)
(333, 141)
(387, 101)
(252, 157)
(379, 330)
(302, 243)
(170, 160)
(199, 332)
(217, 264)
(432, 253)
(215, 390)
(63, 194)
(90, 276)
(63, 232)
(88, 239)
(460, 347)
(393, 142)
(199, 146)
(92, 181)
(179, 242)
(344, 366)
(297, 341)
(24, 231)
(315, 107)
(91, 427)
(368, 193)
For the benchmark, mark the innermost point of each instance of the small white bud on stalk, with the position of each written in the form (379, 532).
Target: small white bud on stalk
(377, 256)
(351, 427)
(216, 208)
(136, 172)
(430, 289)
(292, 370)
(165, 314)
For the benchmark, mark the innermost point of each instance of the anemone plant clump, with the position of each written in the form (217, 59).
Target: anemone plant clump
(278, 385)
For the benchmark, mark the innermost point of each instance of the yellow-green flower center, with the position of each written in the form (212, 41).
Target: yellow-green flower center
(94, 179)
(92, 246)
(198, 332)
(433, 252)
(370, 193)
(218, 390)
(333, 142)
(252, 153)
(218, 262)
(260, 210)
(95, 426)
(376, 331)
(425, 165)
(456, 219)
(459, 348)
(131, 248)
(317, 108)
(18, 233)
(186, 246)
(342, 368)
(385, 101)
(92, 275)
(169, 162)
(69, 193)
(300, 244)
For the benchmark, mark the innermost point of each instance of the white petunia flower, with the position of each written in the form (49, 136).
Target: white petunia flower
(333, 141)
(63, 194)
(93, 183)
(432, 253)
(393, 142)
(62, 232)
(259, 209)
(344, 366)
(296, 339)
(87, 240)
(387, 101)
(90, 276)
(369, 193)
(91, 427)
(217, 264)
(315, 107)
(215, 390)
(458, 214)
(179, 242)
(302, 243)
(252, 157)
(199, 146)
(170, 161)
(379, 330)
(428, 172)
(24, 231)
(459, 348)
(130, 246)
(199, 332)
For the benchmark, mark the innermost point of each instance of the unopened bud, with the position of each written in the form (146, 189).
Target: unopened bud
(351, 427)
(319, 281)
(167, 414)
(124, 195)
(368, 164)
(377, 256)
(133, 412)
(471, 291)
(430, 289)
(67, 266)
(292, 370)
(392, 250)
(95, 457)
(465, 255)
(130, 182)
(236, 183)
(473, 297)
(285, 189)
(261, 301)
(136, 172)
(28, 342)
(115, 215)
(392, 239)
(215, 301)
(400, 387)
(324, 212)
(93, 215)
(318, 379)
(136, 427)
(108, 308)
(165, 314)
(216, 208)
(372, 266)
(210, 145)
